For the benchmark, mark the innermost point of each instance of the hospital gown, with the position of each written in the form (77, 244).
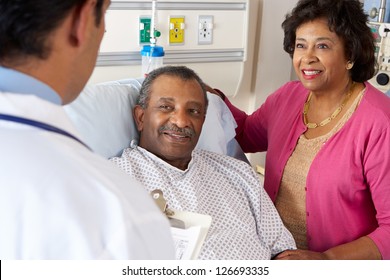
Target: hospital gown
(245, 223)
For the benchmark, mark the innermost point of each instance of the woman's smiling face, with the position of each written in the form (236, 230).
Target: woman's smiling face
(319, 57)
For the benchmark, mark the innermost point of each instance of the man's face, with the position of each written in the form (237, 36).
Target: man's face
(171, 124)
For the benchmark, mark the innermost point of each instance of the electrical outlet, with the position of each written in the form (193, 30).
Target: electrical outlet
(144, 29)
(176, 30)
(205, 30)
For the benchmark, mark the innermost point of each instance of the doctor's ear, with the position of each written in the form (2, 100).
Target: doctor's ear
(80, 20)
(138, 114)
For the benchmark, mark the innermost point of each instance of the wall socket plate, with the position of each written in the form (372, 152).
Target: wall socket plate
(176, 29)
(205, 29)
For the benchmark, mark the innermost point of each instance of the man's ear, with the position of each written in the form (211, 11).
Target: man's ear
(82, 17)
(138, 114)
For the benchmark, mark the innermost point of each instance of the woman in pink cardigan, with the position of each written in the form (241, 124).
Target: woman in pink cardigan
(327, 137)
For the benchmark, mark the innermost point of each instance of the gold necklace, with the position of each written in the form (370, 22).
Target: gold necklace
(331, 117)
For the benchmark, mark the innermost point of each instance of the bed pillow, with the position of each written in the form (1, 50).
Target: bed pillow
(102, 114)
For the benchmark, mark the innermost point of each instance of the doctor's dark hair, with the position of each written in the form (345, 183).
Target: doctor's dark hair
(182, 72)
(26, 25)
(347, 19)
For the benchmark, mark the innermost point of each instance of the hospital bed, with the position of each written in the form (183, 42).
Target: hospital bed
(103, 116)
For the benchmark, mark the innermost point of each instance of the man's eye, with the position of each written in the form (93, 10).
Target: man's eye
(195, 111)
(165, 107)
(299, 46)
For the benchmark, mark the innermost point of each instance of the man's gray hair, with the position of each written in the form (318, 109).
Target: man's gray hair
(182, 72)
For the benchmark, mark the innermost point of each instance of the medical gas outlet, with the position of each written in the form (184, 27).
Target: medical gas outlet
(144, 30)
(176, 29)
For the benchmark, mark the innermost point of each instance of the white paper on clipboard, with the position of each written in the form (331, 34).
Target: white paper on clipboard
(188, 242)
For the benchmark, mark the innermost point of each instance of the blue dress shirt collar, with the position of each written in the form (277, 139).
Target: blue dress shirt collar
(16, 82)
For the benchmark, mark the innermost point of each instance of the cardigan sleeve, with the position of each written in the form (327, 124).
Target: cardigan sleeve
(377, 172)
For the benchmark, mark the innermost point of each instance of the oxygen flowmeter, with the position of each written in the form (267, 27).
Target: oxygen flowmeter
(152, 55)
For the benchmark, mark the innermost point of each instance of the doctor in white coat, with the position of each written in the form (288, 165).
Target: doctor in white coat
(58, 200)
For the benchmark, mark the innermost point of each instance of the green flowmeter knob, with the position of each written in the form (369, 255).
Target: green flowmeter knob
(157, 33)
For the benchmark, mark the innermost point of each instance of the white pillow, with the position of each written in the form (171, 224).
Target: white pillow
(218, 128)
(103, 116)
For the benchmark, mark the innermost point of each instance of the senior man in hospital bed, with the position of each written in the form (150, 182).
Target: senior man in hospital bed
(169, 116)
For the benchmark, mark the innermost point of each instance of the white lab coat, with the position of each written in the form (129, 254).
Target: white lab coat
(60, 201)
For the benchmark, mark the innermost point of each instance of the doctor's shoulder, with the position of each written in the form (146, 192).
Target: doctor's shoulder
(142, 222)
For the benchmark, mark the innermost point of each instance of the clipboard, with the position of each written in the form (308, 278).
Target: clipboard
(189, 240)
(188, 229)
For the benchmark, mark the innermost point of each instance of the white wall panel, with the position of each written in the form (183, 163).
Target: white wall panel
(122, 30)
(221, 63)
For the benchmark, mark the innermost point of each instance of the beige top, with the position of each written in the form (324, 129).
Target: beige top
(291, 199)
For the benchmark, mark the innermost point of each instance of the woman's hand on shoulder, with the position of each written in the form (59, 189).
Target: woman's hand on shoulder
(215, 91)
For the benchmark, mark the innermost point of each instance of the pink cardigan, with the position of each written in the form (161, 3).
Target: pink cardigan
(348, 185)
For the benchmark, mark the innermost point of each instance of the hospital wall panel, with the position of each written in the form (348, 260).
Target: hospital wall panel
(223, 62)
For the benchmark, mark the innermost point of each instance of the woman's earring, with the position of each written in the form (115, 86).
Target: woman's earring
(349, 65)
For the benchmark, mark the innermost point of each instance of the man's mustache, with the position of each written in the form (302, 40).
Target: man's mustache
(186, 131)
